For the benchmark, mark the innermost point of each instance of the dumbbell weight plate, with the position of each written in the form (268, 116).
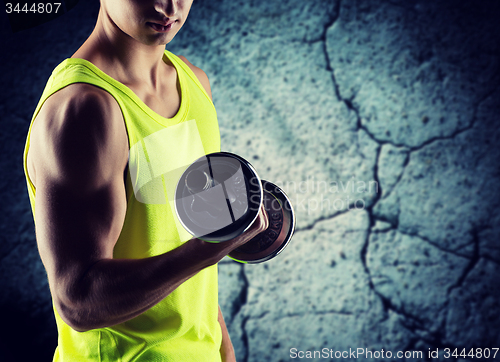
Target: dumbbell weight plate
(229, 203)
(271, 242)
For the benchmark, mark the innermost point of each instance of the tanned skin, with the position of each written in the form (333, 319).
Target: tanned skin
(77, 158)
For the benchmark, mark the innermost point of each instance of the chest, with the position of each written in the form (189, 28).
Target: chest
(165, 101)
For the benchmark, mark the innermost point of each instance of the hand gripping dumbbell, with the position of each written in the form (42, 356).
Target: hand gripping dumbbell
(218, 197)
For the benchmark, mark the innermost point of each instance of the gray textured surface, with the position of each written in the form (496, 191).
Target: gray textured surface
(328, 99)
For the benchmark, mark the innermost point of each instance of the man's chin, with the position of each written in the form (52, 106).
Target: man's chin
(159, 39)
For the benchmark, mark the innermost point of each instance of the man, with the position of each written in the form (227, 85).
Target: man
(113, 125)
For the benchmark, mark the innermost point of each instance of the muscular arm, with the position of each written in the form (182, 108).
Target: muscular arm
(77, 157)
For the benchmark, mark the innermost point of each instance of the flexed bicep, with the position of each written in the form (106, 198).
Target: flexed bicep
(77, 155)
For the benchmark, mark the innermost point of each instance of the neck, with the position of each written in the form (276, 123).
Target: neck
(121, 56)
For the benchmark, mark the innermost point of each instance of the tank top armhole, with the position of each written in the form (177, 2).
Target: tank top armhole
(179, 62)
(83, 81)
(44, 98)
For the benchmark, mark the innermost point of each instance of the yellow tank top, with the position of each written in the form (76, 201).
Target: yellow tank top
(184, 326)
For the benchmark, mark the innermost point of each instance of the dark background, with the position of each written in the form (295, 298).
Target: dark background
(401, 93)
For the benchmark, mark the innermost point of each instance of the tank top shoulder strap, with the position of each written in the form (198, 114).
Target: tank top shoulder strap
(76, 70)
(180, 64)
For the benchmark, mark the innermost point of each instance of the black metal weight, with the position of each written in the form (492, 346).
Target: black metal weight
(218, 197)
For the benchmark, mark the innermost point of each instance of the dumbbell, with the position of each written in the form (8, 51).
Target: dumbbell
(219, 196)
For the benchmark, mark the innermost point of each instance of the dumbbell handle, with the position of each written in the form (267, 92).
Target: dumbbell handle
(198, 181)
(272, 241)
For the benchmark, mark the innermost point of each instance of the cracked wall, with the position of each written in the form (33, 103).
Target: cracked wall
(379, 119)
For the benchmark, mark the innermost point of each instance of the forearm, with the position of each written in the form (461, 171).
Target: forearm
(112, 291)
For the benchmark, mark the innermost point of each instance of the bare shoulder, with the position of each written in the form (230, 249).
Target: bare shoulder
(78, 130)
(200, 74)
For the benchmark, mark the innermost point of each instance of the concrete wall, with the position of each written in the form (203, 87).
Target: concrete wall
(380, 120)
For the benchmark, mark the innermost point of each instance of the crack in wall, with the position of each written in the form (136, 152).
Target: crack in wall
(386, 302)
(242, 298)
(323, 218)
(490, 259)
(237, 305)
(349, 104)
(329, 68)
(435, 244)
(472, 263)
(245, 338)
(413, 323)
(405, 163)
(431, 140)
(436, 339)
(372, 219)
(303, 314)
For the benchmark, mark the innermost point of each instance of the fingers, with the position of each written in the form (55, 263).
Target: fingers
(260, 224)
(263, 218)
